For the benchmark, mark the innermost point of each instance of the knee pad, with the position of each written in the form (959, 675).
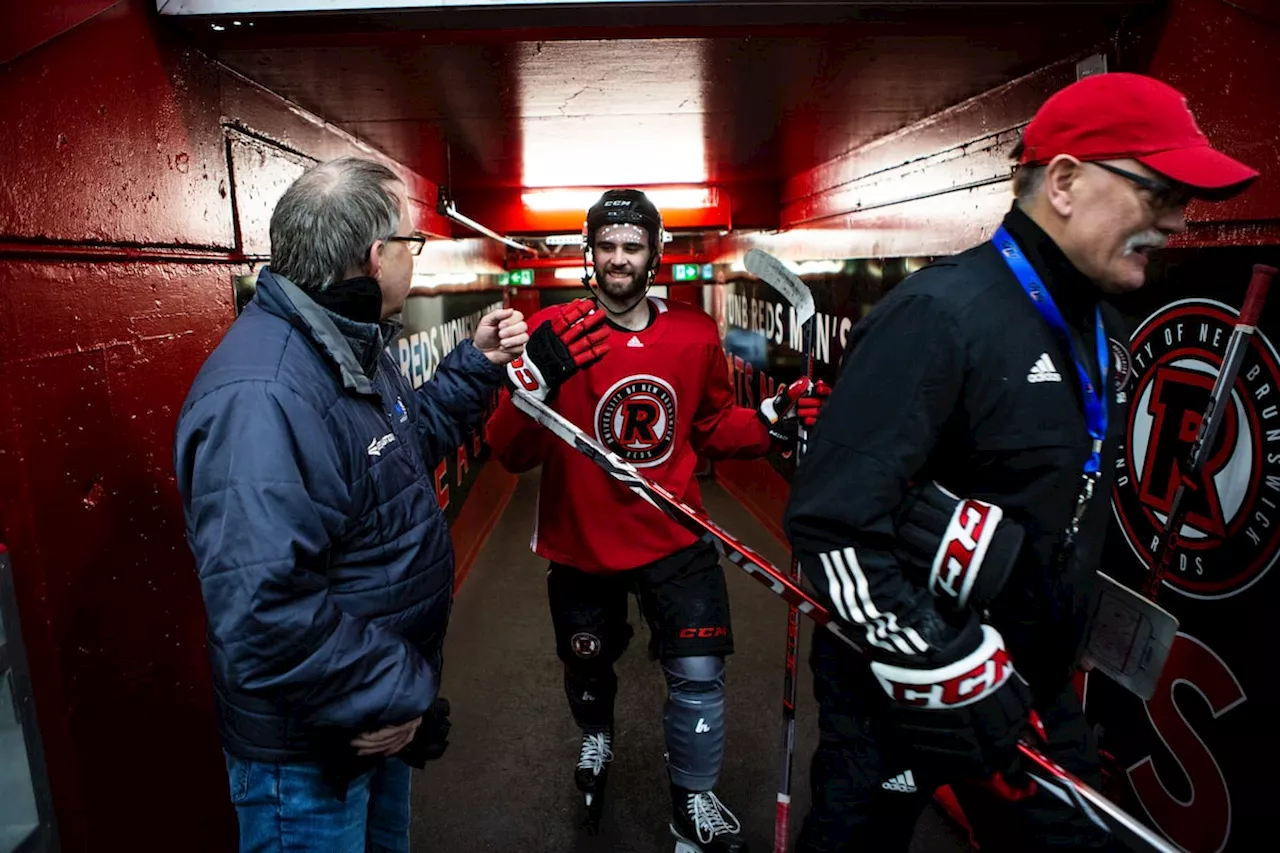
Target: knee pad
(702, 674)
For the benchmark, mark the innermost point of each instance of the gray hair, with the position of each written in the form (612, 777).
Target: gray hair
(328, 218)
(1027, 181)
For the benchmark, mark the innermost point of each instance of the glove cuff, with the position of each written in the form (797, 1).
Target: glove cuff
(966, 545)
(970, 679)
(524, 375)
(963, 549)
(768, 412)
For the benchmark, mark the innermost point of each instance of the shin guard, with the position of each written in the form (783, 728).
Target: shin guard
(694, 720)
(591, 691)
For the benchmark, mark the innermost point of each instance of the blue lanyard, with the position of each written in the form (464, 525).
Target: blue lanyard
(1095, 400)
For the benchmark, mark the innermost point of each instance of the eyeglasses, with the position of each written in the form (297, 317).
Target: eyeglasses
(1163, 195)
(415, 242)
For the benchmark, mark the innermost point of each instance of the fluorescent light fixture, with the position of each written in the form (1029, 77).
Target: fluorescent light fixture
(566, 126)
(569, 273)
(436, 279)
(801, 267)
(563, 240)
(817, 267)
(674, 198)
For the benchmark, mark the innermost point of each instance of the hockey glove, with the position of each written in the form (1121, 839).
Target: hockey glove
(962, 719)
(962, 550)
(559, 348)
(794, 406)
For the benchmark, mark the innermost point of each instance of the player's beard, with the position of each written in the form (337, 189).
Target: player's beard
(622, 292)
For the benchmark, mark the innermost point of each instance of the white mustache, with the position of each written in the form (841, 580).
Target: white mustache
(1147, 239)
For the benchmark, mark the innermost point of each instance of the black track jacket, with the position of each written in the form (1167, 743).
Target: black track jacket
(938, 385)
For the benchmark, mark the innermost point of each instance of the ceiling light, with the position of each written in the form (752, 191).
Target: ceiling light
(563, 240)
(439, 278)
(674, 198)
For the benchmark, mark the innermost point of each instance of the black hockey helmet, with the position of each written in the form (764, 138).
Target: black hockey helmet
(625, 207)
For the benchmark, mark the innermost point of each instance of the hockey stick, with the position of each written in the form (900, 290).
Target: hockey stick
(1244, 330)
(1097, 808)
(773, 273)
(1130, 636)
(770, 270)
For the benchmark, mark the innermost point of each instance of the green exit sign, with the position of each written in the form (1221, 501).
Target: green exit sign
(515, 278)
(685, 272)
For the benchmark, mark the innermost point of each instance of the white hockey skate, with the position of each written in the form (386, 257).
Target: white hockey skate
(703, 824)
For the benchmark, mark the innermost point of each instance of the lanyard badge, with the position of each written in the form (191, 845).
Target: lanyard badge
(1095, 400)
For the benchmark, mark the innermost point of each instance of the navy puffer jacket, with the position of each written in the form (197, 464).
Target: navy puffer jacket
(324, 559)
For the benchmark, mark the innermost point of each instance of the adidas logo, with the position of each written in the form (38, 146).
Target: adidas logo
(634, 342)
(903, 783)
(1043, 370)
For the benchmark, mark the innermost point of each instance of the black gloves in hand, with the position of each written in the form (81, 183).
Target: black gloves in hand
(432, 738)
(795, 405)
(961, 719)
(559, 348)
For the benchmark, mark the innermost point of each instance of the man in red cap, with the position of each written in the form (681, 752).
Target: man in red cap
(953, 501)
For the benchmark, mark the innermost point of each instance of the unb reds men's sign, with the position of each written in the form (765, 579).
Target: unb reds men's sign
(1188, 760)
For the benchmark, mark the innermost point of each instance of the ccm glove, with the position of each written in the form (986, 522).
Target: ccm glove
(559, 348)
(794, 406)
(962, 549)
(964, 718)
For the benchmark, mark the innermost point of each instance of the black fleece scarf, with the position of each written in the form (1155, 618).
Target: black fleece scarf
(355, 306)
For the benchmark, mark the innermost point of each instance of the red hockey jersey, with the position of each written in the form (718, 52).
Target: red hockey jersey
(658, 399)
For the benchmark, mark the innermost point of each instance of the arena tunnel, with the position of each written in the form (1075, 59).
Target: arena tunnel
(146, 144)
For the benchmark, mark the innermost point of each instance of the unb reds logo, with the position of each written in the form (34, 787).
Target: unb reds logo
(636, 419)
(1232, 530)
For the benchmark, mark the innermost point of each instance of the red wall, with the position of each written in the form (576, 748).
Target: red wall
(137, 180)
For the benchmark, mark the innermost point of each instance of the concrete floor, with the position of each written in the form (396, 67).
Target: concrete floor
(505, 783)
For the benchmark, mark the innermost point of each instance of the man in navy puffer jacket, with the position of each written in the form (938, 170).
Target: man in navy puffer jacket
(304, 459)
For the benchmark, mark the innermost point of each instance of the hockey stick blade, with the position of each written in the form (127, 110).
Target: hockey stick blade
(1099, 809)
(774, 273)
(1130, 637)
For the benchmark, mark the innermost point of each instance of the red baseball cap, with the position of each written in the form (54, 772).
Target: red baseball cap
(1119, 116)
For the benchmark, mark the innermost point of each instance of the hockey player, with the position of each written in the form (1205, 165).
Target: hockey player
(660, 398)
(987, 376)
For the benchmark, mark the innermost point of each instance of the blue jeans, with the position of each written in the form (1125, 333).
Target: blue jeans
(288, 808)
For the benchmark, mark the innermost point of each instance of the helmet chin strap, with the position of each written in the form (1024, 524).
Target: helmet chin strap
(650, 275)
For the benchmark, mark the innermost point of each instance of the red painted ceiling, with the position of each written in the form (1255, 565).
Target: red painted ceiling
(756, 94)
